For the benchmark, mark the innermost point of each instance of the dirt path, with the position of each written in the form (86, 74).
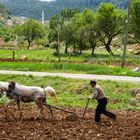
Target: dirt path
(74, 76)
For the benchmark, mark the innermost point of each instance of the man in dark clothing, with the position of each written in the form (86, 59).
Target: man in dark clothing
(99, 95)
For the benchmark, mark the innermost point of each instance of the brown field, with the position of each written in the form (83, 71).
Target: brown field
(127, 126)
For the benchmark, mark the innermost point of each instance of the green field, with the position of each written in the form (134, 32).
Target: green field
(75, 92)
(101, 57)
(101, 63)
(67, 68)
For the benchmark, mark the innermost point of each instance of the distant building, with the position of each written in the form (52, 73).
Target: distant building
(9, 22)
(15, 20)
(20, 20)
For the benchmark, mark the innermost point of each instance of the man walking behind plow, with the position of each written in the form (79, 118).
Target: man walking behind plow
(99, 95)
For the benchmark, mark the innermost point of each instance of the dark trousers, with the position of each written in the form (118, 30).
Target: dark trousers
(101, 109)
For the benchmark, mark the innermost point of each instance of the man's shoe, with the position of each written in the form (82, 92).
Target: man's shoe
(98, 123)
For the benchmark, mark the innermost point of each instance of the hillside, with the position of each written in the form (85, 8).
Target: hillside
(33, 8)
(4, 14)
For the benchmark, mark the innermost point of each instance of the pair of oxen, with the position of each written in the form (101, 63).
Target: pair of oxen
(20, 93)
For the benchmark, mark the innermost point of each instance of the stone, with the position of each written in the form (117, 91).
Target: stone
(134, 92)
(138, 97)
(137, 69)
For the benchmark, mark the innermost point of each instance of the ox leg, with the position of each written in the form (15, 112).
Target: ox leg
(50, 109)
(6, 107)
(40, 108)
(18, 107)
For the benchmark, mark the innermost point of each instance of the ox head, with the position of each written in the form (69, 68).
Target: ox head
(11, 86)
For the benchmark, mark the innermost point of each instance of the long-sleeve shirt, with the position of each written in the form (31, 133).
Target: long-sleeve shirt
(98, 93)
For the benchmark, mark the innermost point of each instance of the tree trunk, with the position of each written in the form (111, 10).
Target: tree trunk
(93, 48)
(58, 53)
(56, 48)
(81, 51)
(108, 49)
(58, 45)
(66, 49)
(81, 47)
(13, 55)
(107, 46)
(74, 48)
(29, 44)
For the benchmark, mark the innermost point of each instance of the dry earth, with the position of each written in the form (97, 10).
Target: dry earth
(63, 127)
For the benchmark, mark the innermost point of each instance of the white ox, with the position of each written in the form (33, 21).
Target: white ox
(3, 87)
(26, 94)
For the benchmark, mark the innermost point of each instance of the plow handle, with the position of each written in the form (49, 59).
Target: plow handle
(86, 108)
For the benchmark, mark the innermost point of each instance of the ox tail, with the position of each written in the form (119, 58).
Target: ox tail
(51, 92)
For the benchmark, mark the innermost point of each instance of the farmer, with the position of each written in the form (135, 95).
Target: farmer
(99, 95)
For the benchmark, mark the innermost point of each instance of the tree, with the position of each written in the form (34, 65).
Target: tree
(109, 24)
(67, 31)
(54, 22)
(85, 35)
(92, 38)
(67, 35)
(89, 24)
(7, 33)
(3, 10)
(59, 27)
(55, 25)
(135, 19)
(30, 30)
(78, 27)
(68, 13)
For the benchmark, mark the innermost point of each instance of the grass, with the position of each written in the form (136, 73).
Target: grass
(101, 63)
(101, 56)
(67, 68)
(73, 93)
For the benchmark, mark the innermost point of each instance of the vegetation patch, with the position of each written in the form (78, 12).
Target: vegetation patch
(67, 68)
(74, 93)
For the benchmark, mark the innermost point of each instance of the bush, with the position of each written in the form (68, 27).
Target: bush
(53, 45)
(7, 38)
(43, 42)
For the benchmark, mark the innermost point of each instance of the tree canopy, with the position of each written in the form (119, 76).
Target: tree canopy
(30, 30)
(109, 23)
(135, 19)
(3, 10)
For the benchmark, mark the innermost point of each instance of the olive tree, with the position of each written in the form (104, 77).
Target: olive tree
(109, 24)
(30, 30)
(135, 19)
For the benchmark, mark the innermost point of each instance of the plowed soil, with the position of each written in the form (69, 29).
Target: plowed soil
(65, 127)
